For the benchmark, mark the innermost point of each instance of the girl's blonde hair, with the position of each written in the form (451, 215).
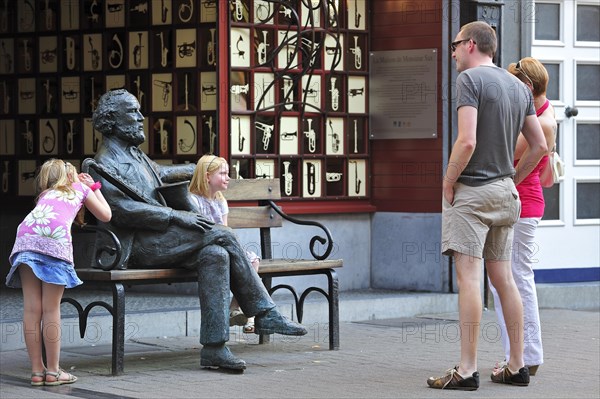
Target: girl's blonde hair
(56, 174)
(207, 165)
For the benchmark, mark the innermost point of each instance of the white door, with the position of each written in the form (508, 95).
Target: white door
(566, 39)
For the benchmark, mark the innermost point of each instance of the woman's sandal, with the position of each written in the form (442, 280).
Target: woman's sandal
(57, 380)
(37, 375)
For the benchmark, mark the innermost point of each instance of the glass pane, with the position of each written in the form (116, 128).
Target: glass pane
(547, 21)
(552, 200)
(553, 92)
(588, 141)
(588, 82)
(587, 23)
(588, 206)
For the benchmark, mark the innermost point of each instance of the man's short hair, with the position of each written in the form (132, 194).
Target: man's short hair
(483, 35)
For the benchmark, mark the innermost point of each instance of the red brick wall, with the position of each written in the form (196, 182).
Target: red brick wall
(407, 173)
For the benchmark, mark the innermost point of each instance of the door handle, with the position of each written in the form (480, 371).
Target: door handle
(571, 111)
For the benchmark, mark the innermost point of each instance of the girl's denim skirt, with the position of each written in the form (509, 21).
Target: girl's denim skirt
(47, 268)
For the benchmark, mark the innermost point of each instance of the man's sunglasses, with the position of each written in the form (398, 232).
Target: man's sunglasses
(455, 44)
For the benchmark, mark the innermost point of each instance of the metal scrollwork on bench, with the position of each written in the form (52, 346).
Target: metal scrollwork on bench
(84, 313)
(322, 240)
(299, 301)
(113, 253)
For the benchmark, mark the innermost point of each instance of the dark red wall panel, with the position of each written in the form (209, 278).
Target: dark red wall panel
(407, 173)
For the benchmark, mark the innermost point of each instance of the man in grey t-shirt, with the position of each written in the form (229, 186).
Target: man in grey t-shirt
(480, 202)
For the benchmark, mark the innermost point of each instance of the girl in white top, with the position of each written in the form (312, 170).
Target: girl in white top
(210, 178)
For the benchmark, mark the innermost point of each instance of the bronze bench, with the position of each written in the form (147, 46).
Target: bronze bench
(264, 214)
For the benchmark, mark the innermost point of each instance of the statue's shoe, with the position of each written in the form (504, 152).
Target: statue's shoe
(272, 322)
(219, 356)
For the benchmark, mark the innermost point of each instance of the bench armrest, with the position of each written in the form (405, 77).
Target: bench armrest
(322, 240)
(112, 251)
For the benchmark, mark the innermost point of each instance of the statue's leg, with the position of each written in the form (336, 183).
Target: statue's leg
(253, 296)
(213, 291)
(246, 285)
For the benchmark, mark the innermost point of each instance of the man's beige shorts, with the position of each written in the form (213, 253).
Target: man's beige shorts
(480, 221)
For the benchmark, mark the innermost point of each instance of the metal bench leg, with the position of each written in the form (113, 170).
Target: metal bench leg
(266, 338)
(334, 310)
(118, 333)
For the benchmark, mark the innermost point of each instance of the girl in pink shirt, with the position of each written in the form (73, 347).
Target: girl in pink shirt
(42, 261)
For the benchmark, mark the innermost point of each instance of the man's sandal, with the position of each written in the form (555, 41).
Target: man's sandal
(57, 380)
(37, 375)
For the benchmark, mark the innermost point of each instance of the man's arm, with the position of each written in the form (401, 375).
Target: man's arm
(537, 147)
(549, 126)
(462, 150)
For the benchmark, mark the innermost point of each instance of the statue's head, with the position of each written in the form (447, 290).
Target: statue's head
(118, 115)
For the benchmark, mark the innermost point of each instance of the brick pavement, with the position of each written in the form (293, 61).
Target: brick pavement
(378, 359)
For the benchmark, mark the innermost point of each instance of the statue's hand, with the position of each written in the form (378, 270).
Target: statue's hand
(191, 220)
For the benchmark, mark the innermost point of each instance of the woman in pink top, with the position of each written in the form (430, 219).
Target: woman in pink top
(42, 261)
(531, 72)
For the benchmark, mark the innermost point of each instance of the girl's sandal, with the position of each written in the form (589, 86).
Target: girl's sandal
(57, 380)
(38, 375)
(249, 327)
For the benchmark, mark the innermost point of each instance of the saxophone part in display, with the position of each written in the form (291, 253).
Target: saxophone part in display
(26, 56)
(211, 56)
(164, 51)
(355, 136)
(166, 89)
(356, 50)
(137, 52)
(335, 139)
(357, 15)
(186, 11)
(288, 178)
(262, 49)
(94, 55)
(70, 134)
(182, 143)
(5, 177)
(333, 176)
(211, 134)
(138, 85)
(164, 136)
(311, 177)
(115, 57)
(357, 180)
(49, 141)
(267, 132)
(28, 135)
(241, 138)
(312, 136)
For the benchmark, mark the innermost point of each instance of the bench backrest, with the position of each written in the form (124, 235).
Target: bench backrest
(253, 190)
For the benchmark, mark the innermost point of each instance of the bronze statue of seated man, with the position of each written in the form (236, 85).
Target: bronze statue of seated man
(154, 235)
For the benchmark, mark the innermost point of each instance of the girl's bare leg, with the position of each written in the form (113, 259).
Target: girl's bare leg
(32, 318)
(41, 303)
(51, 296)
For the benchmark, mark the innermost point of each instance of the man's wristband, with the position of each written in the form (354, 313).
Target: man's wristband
(97, 185)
